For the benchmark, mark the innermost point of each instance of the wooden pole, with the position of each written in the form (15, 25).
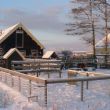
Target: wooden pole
(45, 94)
(59, 74)
(48, 74)
(5, 78)
(37, 74)
(82, 84)
(106, 31)
(12, 81)
(19, 83)
(30, 88)
(48, 71)
(0, 76)
(66, 80)
(39, 68)
(59, 65)
(87, 82)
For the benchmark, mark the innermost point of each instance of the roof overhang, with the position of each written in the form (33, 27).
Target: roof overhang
(11, 51)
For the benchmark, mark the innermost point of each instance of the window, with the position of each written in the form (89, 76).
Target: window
(19, 38)
(1, 51)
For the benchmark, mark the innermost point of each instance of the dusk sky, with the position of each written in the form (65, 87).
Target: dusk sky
(46, 19)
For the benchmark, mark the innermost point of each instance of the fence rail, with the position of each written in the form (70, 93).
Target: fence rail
(28, 85)
(37, 66)
(28, 77)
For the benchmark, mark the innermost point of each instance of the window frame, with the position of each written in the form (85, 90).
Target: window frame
(22, 38)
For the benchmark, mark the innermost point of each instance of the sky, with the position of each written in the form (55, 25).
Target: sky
(46, 19)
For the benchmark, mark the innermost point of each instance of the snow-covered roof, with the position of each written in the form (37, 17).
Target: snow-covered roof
(48, 54)
(11, 51)
(102, 42)
(7, 32)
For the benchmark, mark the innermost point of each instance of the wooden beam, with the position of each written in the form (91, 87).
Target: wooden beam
(29, 77)
(45, 94)
(66, 80)
(38, 70)
(36, 61)
(82, 85)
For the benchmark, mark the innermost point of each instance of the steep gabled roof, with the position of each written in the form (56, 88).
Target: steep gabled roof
(11, 51)
(101, 43)
(7, 32)
(48, 54)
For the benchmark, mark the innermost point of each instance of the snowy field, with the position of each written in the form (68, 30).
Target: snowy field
(60, 96)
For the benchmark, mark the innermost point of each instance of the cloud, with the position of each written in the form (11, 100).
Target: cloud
(46, 20)
(73, 46)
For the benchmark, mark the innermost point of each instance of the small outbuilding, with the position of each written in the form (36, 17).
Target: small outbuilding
(11, 55)
(50, 55)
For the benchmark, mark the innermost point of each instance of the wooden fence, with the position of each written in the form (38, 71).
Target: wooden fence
(37, 66)
(7, 75)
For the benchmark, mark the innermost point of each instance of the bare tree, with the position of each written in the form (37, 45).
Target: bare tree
(87, 15)
(84, 21)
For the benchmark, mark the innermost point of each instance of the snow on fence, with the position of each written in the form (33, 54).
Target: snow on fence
(26, 84)
(37, 66)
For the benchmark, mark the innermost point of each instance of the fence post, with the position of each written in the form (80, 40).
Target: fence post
(45, 94)
(38, 73)
(30, 88)
(5, 78)
(59, 73)
(0, 76)
(19, 83)
(82, 84)
(59, 66)
(12, 81)
(48, 70)
(87, 82)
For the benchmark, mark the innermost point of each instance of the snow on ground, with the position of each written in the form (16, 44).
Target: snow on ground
(12, 100)
(61, 96)
(68, 97)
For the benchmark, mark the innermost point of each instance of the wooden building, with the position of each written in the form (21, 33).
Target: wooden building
(12, 54)
(19, 37)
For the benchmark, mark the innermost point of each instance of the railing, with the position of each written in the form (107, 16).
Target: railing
(37, 66)
(16, 80)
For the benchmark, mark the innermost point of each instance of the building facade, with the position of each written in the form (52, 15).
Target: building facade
(18, 43)
(19, 37)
